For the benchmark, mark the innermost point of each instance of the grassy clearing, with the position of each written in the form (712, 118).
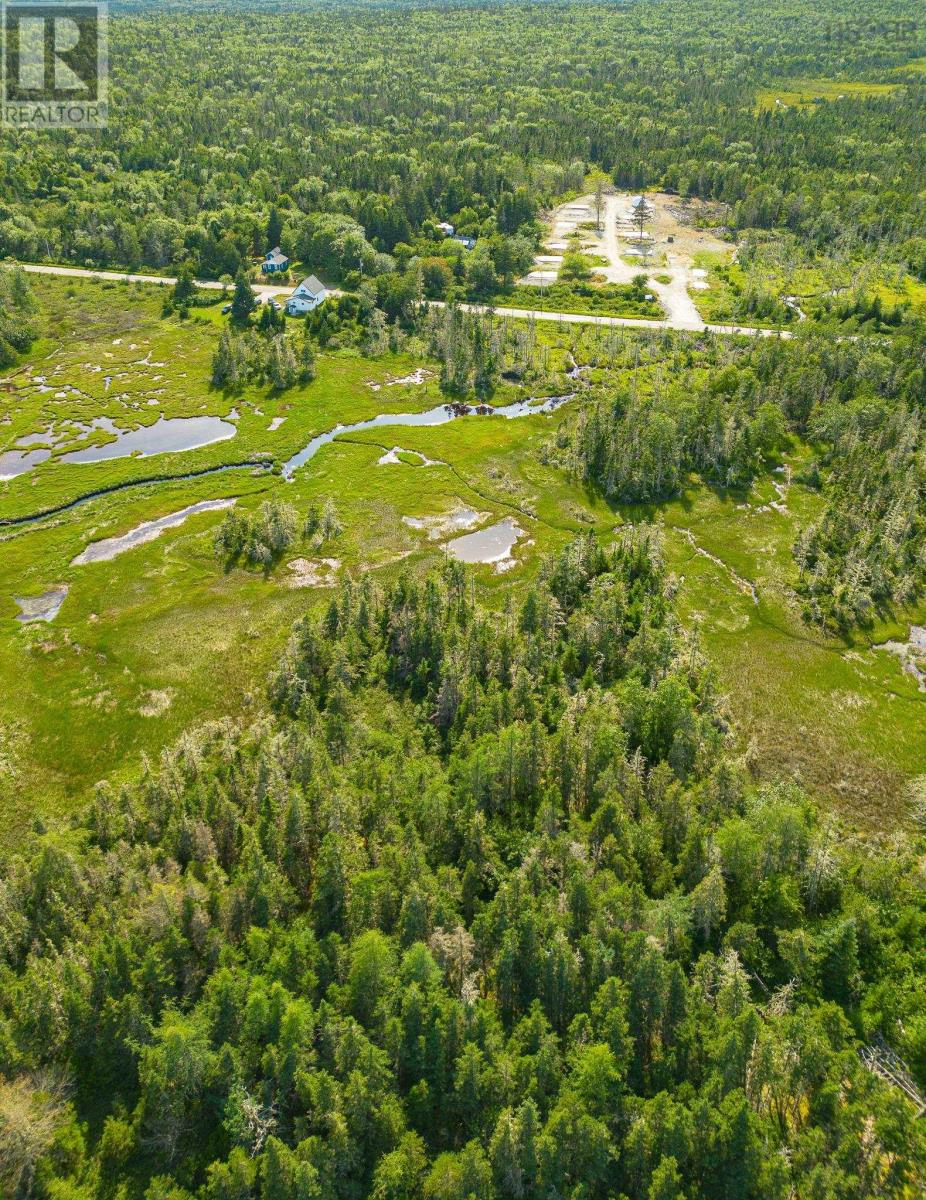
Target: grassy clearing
(806, 93)
(592, 299)
(917, 66)
(905, 291)
(728, 285)
(836, 714)
(163, 637)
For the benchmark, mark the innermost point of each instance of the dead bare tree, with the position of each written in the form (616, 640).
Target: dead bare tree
(881, 1060)
(32, 1109)
(599, 203)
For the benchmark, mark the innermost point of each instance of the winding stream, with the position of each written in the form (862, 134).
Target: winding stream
(253, 465)
(442, 414)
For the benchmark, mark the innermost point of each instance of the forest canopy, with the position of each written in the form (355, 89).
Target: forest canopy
(481, 893)
(337, 140)
(489, 908)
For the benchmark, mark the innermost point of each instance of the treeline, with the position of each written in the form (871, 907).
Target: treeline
(471, 351)
(725, 412)
(18, 309)
(249, 356)
(474, 350)
(639, 448)
(487, 910)
(260, 351)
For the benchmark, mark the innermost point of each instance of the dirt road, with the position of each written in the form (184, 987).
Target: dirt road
(680, 309)
(679, 320)
(621, 322)
(610, 243)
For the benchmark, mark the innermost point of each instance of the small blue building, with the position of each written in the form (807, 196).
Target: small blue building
(274, 260)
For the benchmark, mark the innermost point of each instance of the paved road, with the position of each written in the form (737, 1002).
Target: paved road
(624, 322)
(261, 289)
(265, 290)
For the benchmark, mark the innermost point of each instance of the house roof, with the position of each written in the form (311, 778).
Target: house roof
(276, 258)
(313, 285)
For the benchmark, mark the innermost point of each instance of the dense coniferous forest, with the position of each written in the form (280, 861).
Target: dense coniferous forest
(349, 133)
(479, 896)
(488, 909)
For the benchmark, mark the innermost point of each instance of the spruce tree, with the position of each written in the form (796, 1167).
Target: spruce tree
(244, 301)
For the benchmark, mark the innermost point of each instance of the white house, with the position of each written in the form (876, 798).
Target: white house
(446, 228)
(306, 297)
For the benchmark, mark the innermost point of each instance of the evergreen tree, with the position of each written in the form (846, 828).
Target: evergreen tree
(243, 301)
(184, 291)
(274, 229)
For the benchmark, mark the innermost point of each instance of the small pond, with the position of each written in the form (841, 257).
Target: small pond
(147, 531)
(490, 545)
(167, 435)
(41, 608)
(454, 522)
(18, 462)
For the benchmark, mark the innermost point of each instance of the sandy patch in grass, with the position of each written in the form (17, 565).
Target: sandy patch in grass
(418, 376)
(156, 702)
(394, 456)
(912, 654)
(453, 522)
(307, 572)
